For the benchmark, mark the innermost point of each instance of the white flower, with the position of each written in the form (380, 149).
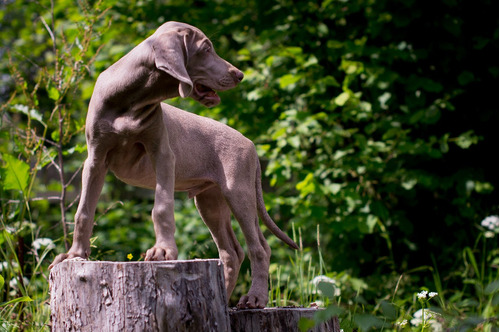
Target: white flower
(4, 266)
(402, 323)
(491, 223)
(43, 242)
(428, 319)
(14, 283)
(432, 294)
(319, 279)
(489, 234)
(422, 295)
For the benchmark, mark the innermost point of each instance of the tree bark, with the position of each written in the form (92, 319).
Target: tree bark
(139, 296)
(158, 296)
(278, 320)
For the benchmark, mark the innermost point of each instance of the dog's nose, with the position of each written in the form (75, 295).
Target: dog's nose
(238, 75)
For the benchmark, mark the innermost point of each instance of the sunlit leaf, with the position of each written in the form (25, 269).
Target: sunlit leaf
(17, 300)
(342, 98)
(16, 173)
(288, 79)
(53, 93)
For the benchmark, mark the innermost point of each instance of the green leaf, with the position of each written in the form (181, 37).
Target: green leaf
(409, 183)
(306, 324)
(367, 322)
(371, 221)
(294, 141)
(483, 187)
(279, 133)
(389, 310)
(306, 186)
(292, 50)
(53, 93)
(311, 61)
(491, 288)
(332, 188)
(352, 67)
(330, 81)
(339, 154)
(465, 78)
(467, 139)
(342, 98)
(2, 281)
(327, 289)
(34, 114)
(78, 148)
(16, 175)
(383, 99)
(329, 312)
(18, 300)
(288, 79)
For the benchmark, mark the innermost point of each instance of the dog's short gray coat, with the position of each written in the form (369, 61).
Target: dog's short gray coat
(147, 143)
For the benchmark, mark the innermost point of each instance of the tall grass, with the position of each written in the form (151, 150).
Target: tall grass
(295, 284)
(26, 289)
(306, 282)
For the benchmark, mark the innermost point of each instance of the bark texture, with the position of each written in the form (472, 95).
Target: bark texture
(277, 320)
(139, 296)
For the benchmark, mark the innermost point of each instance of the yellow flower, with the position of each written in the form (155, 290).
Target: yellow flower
(130, 256)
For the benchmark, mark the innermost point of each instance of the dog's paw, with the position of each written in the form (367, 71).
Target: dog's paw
(158, 253)
(62, 257)
(250, 301)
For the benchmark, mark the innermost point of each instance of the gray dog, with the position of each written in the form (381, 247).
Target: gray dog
(150, 144)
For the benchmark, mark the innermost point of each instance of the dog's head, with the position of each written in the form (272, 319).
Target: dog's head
(185, 53)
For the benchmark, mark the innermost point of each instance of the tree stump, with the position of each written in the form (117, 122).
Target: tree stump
(139, 296)
(277, 320)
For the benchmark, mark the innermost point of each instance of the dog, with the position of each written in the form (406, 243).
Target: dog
(147, 143)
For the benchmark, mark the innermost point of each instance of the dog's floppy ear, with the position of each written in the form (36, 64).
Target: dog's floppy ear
(170, 52)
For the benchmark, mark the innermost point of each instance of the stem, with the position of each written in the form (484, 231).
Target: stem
(62, 199)
(423, 316)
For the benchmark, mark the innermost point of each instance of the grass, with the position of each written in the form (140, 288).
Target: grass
(472, 307)
(302, 282)
(25, 286)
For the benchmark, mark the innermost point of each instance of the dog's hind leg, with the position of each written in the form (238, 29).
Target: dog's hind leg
(242, 202)
(217, 216)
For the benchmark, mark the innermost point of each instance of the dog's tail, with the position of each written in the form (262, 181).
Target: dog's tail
(264, 216)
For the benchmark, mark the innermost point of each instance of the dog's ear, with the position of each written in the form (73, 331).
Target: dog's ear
(171, 54)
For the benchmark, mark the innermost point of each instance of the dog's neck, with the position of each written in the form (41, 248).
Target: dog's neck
(150, 86)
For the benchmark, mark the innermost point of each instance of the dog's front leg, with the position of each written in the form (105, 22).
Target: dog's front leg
(94, 173)
(163, 160)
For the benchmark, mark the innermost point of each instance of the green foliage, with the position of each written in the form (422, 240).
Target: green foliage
(357, 124)
(373, 120)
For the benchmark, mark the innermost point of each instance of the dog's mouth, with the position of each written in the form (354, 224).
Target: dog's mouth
(205, 95)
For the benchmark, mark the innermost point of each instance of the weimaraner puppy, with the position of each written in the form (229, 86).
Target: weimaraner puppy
(147, 143)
